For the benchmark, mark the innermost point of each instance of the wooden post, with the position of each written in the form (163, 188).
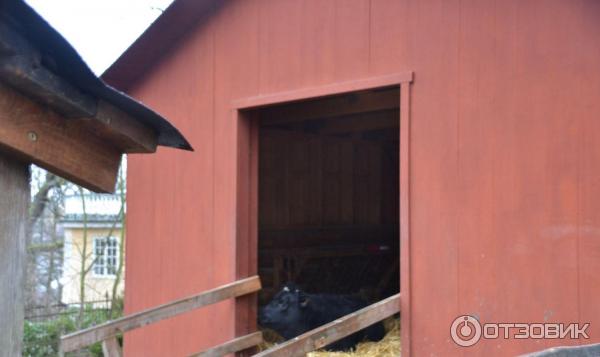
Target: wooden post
(14, 200)
(111, 347)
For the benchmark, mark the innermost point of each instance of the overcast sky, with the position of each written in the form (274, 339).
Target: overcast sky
(100, 30)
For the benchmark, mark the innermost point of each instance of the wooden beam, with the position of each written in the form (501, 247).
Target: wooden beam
(339, 105)
(21, 67)
(356, 123)
(265, 100)
(107, 330)
(123, 130)
(335, 330)
(65, 147)
(106, 120)
(387, 119)
(14, 200)
(235, 345)
(111, 348)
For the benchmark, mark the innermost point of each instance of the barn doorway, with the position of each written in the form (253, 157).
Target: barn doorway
(328, 195)
(327, 198)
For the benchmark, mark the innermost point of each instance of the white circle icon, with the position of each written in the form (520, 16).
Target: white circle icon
(465, 331)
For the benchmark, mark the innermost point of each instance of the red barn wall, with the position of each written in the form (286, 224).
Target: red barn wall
(505, 215)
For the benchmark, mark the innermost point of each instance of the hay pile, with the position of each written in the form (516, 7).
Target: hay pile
(270, 339)
(389, 346)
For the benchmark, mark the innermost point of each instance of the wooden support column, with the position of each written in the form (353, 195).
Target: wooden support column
(14, 200)
(111, 347)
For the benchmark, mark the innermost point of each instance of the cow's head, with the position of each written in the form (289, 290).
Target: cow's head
(286, 311)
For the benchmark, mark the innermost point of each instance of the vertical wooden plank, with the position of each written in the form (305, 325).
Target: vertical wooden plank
(393, 43)
(390, 178)
(280, 34)
(361, 182)
(272, 171)
(588, 245)
(404, 219)
(375, 181)
(111, 347)
(297, 178)
(236, 76)
(351, 45)
(14, 200)
(317, 41)
(315, 176)
(477, 158)
(235, 40)
(347, 182)
(246, 248)
(422, 35)
(331, 174)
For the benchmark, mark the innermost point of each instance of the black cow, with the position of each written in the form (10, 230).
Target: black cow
(293, 312)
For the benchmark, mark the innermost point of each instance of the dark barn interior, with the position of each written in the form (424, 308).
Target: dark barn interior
(329, 195)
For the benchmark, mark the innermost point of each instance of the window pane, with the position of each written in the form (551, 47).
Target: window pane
(106, 254)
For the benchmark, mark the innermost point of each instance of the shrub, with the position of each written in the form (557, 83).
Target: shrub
(41, 339)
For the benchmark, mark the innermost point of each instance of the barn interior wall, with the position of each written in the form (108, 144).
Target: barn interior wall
(504, 131)
(345, 176)
(328, 209)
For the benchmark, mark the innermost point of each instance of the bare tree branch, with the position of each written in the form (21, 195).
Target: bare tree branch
(119, 273)
(40, 200)
(83, 271)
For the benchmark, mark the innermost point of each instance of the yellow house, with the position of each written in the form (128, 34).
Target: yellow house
(98, 237)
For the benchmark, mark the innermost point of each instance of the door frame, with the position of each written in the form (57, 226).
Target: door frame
(246, 240)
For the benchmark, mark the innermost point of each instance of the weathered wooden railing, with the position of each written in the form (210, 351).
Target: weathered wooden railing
(299, 346)
(235, 345)
(335, 330)
(572, 351)
(107, 332)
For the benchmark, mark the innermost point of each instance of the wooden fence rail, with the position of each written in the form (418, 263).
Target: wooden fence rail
(232, 346)
(335, 330)
(107, 332)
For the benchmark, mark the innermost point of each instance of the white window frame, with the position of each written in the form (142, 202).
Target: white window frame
(100, 268)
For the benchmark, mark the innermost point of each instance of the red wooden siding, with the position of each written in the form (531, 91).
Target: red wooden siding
(504, 160)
